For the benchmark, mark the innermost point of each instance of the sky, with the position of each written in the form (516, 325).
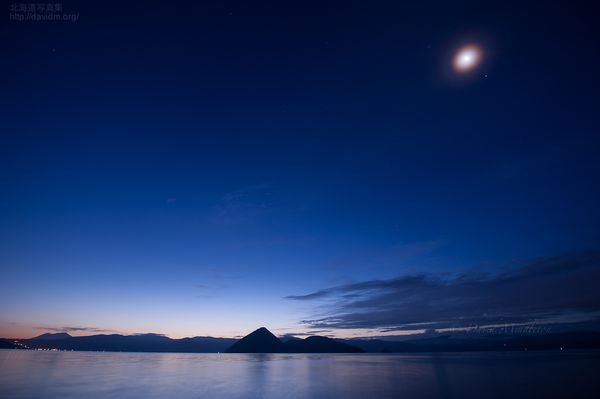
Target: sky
(209, 169)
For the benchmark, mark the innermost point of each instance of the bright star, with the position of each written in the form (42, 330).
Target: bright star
(467, 58)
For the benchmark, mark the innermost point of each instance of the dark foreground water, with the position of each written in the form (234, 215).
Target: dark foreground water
(90, 375)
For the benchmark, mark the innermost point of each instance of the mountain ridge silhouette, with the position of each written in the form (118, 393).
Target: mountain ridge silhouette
(315, 344)
(262, 340)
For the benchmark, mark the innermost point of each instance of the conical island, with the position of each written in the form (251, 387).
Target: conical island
(263, 341)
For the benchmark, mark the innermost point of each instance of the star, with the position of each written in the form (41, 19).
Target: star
(467, 58)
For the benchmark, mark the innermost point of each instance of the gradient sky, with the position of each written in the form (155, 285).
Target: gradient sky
(205, 171)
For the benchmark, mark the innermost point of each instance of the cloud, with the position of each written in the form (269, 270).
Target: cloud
(75, 329)
(299, 334)
(557, 289)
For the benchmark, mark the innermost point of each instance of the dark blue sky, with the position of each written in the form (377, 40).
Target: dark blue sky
(199, 170)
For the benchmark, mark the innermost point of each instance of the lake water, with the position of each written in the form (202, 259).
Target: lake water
(91, 375)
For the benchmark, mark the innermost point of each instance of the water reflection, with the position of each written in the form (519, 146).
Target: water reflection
(92, 375)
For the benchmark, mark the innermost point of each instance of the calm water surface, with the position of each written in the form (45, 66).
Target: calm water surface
(91, 375)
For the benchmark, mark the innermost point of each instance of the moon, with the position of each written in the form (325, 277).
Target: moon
(467, 58)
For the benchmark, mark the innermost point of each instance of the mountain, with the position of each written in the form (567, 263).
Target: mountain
(128, 343)
(50, 336)
(206, 344)
(258, 341)
(6, 344)
(263, 341)
(464, 342)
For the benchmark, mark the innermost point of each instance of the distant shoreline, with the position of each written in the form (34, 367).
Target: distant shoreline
(268, 343)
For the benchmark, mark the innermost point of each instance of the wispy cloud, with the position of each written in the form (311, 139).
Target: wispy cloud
(550, 288)
(75, 329)
(304, 334)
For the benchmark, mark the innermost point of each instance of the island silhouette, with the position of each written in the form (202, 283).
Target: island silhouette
(263, 341)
